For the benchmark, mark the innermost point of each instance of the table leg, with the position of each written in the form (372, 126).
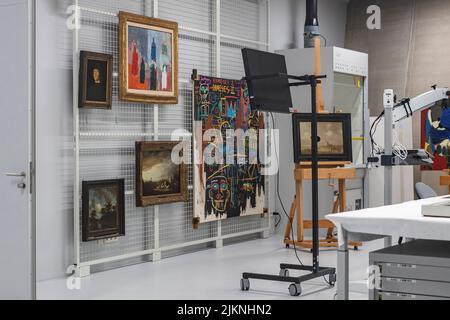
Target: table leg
(343, 269)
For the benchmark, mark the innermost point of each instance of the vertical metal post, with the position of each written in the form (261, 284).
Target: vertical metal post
(388, 153)
(342, 268)
(388, 127)
(157, 254)
(218, 39)
(219, 242)
(76, 137)
(315, 176)
(268, 26)
(367, 146)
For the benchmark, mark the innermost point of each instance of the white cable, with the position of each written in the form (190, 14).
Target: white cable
(398, 148)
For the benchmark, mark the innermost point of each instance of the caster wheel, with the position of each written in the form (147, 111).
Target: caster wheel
(332, 279)
(284, 273)
(245, 284)
(295, 290)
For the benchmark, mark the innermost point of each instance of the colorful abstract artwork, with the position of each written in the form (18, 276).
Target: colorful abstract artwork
(149, 52)
(231, 188)
(435, 135)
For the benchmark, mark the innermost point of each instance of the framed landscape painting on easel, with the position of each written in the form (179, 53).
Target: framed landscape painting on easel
(334, 137)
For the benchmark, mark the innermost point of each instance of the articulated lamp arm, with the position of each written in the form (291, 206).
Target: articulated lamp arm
(407, 107)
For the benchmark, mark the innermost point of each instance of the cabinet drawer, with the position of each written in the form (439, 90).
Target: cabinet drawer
(416, 287)
(380, 295)
(411, 271)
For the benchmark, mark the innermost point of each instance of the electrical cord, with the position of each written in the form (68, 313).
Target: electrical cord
(373, 129)
(277, 221)
(281, 201)
(398, 148)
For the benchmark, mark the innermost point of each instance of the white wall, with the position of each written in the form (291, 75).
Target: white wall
(287, 25)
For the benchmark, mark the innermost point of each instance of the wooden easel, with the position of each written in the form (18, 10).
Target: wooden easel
(327, 171)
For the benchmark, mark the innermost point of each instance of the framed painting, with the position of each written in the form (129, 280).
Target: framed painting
(229, 189)
(103, 209)
(148, 60)
(95, 83)
(158, 179)
(334, 137)
(435, 135)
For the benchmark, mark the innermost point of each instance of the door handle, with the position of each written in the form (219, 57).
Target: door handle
(16, 175)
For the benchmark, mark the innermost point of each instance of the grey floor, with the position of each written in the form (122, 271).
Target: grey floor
(211, 274)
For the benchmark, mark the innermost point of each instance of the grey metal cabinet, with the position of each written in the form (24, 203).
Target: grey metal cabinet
(417, 270)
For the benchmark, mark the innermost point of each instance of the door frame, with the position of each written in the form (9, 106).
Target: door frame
(32, 142)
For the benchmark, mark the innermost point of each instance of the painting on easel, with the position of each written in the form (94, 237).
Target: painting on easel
(226, 190)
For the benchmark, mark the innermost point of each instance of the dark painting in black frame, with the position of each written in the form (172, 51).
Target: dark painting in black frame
(103, 209)
(95, 82)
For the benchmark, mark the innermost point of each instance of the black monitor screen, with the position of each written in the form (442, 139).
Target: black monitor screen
(271, 94)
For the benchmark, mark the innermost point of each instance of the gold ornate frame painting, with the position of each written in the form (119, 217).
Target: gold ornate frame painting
(148, 60)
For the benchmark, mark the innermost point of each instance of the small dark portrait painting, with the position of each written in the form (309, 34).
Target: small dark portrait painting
(103, 212)
(159, 180)
(95, 80)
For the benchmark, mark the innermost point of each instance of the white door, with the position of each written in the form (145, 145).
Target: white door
(16, 222)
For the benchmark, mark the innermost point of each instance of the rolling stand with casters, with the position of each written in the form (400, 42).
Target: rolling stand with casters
(315, 270)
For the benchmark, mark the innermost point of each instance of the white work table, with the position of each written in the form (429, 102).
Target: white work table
(401, 220)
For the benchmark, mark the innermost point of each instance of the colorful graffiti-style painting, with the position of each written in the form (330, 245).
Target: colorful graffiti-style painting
(435, 135)
(231, 189)
(148, 59)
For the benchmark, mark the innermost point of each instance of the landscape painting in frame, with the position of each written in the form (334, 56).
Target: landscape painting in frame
(158, 179)
(223, 191)
(149, 59)
(103, 209)
(333, 134)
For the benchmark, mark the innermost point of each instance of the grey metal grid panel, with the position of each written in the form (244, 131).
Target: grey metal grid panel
(245, 19)
(243, 224)
(99, 33)
(107, 137)
(114, 6)
(110, 162)
(63, 38)
(196, 51)
(196, 14)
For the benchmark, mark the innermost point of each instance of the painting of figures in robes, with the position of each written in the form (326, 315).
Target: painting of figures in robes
(148, 62)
